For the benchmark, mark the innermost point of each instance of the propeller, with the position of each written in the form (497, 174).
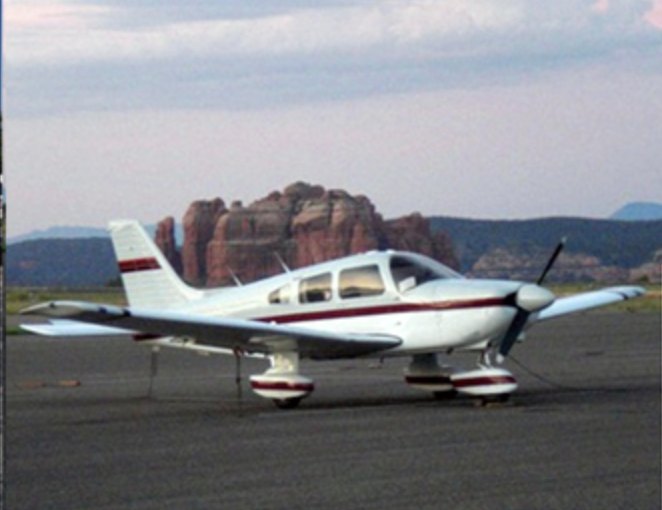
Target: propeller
(528, 299)
(552, 259)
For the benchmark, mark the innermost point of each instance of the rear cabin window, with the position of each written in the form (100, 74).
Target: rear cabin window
(315, 289)
(281, 296)
(361, 282)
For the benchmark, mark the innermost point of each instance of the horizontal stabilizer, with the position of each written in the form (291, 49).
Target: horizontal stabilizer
(73, 328)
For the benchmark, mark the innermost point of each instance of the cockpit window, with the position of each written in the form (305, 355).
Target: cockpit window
(361, 282)
(409, 272)
(315, 289)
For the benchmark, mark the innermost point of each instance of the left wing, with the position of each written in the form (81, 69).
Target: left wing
(229, 333)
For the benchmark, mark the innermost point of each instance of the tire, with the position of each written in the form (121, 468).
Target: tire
(287, 403)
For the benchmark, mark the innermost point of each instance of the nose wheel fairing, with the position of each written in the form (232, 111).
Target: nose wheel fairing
(484, 382)
(424, 373)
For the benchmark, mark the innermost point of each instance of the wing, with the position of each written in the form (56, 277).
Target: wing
(229, 333)
(588, 300)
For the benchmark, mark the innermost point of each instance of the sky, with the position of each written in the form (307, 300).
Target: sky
(472, 108)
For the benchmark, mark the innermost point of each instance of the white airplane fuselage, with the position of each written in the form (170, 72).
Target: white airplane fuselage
(437, 316)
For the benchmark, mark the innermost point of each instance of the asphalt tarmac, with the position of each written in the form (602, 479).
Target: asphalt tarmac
(582, 431)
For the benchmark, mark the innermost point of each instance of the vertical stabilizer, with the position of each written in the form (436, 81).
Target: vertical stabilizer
(149, 280)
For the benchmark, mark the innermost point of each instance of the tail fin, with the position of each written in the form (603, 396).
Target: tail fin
(149, 280)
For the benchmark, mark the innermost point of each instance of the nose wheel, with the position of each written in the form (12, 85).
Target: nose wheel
(492, 400)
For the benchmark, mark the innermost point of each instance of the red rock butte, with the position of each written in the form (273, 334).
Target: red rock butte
(303, 225)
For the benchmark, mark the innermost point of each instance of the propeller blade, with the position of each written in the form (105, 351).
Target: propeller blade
(529, 298)
(552, 259)
(515, 329)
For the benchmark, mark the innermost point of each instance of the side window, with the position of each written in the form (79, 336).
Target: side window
(361, 282)
(315, 289)
(281, 296)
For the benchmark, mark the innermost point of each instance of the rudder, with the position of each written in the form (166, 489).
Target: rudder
(149, 280)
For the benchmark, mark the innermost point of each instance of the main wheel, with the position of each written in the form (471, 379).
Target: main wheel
(444, 395)
(287, 403)
(493, 400)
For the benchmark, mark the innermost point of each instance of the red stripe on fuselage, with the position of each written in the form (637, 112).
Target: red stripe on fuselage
(383, 310)
(143, 264)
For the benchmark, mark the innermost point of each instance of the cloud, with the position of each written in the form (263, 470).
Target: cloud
(140, 54)
(79, 33)
(76, 34)
(47, 16)
(654, 15)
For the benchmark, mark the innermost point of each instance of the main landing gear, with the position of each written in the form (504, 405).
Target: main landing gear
(282, 383)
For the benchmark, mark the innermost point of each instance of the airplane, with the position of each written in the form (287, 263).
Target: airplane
(379, 304)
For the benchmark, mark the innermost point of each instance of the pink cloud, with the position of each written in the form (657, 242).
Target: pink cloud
(600, 6)
(47, 16)
(654, 15)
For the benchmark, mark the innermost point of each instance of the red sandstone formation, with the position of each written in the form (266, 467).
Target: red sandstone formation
(199, 223)
(303, 225)
(165, 240)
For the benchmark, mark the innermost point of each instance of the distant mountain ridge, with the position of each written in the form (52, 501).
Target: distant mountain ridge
(65, 232)
(79, 232)
(639, 211)
(61, 263)
(596, 250)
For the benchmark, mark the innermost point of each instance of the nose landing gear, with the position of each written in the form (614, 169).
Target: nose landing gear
(489, 384)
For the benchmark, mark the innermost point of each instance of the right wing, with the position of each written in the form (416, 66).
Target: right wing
(588, 300)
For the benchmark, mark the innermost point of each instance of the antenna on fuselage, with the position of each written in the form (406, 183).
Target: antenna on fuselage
(235, 278)
(282, 262)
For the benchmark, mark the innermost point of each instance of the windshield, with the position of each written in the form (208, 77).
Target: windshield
(410, 271)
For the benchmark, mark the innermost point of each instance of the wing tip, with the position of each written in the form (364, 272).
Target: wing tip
(628, 292)
(37, 309)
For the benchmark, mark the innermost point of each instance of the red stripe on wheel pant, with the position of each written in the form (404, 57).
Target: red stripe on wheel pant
(484, 381)
(282, 385)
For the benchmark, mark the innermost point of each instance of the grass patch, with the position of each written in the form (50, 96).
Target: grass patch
(15, 330)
